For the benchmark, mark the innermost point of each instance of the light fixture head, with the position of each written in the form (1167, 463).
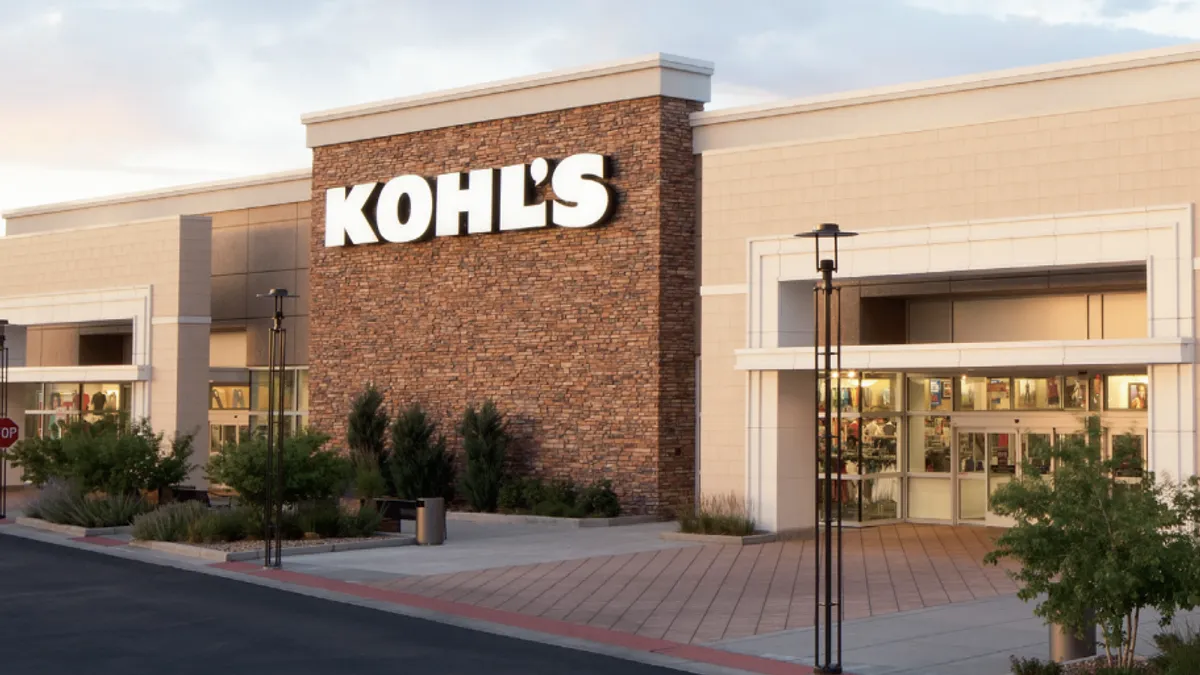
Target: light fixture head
(277, 293)
(827, 231)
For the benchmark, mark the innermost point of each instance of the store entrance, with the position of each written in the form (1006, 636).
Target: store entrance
(984, 459)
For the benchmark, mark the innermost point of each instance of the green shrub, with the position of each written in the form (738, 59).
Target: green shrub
(310, 472)
(718, 514)
(598, 500)
(485, 438)
(362, 523)
(64, 503)
(106, 456)
(369, 482)
(420, 465)
(168, 523)
(222, 525)
(1034, 667)
(323, 518)
(559, 499)
(1179, 652)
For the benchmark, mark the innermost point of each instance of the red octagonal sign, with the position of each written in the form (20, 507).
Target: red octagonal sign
(8, 432)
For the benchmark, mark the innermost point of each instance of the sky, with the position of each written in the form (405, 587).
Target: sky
(102, 97)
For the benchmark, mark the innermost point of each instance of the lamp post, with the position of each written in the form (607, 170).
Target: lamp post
(276, 391)
(3, 414)
(828, 577)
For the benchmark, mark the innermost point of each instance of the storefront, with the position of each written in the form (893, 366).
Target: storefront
(617, 269)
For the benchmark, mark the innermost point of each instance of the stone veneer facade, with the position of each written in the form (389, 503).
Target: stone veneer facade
(586, 339)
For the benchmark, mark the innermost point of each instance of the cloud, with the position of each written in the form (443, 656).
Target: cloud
(126, 94)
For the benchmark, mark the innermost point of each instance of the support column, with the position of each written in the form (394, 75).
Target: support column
(782, 471)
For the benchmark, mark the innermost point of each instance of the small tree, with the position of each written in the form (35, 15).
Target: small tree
(1090, 541)
(421, 466)
(367, 424)
(485, 438)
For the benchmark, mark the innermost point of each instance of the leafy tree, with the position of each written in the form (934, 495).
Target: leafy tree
(107, 455)
(1089, 539)
(485, 438)
(309, 472)
(421, 466)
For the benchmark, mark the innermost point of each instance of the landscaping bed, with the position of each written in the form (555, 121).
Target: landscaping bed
(252, 549)
(529, 519)
(72, 530)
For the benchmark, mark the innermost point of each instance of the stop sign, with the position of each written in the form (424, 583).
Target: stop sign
(8, 432)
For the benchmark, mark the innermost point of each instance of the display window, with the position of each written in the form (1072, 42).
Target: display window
(985, 393)
(930, 393)
(929, 444)
(1038, 393)
(1127, 392)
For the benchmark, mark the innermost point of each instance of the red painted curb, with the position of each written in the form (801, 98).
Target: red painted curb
(708, 655)
(100, 541)
(6, 521)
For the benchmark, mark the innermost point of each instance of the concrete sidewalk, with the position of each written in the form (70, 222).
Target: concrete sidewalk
(970, 638)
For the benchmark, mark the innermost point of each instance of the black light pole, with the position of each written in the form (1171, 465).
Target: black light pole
(3, 413)
(276, 360)
(829, 589)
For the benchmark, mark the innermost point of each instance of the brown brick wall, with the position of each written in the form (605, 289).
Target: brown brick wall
(586, 338)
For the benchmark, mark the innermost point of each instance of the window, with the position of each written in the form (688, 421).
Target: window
(1038, 393)
(929, 444)
(229, 397)
(985, 393)
(879, 443)
(844, 389)
(930, 393)
(1127, 392)
(1075, 394)
(881, 392)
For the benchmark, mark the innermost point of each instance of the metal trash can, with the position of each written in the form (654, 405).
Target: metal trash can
(1065, 645)
(431, 521)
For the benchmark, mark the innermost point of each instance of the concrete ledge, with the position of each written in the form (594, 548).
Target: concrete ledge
(518, 519)
(722, 539)
(257, 554)
(72, 530)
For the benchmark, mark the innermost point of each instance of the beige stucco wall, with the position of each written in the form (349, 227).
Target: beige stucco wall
(1111, 158)
(170, 259)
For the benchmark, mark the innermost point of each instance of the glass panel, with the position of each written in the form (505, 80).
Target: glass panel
(62, 397)
(1038, 393)
(984, 393)
(929, 444)
(126, 397)
(1036, 448)
(879, 436)
(845, 436)
(971, 450)
(845, 497)
(229, 397)
(302, 390)
(880, 499)
(1097, 393)
(100, 399)
(215, 443)
(929, 499)
(259, 390)
(35, 397)
(844, 390)
(930, 393)
(1127, 392)
(1075, 389)
(972, 499)
(33, 426)
(1002, 460)
(881, 392)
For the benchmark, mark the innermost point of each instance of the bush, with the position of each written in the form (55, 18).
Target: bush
(1035, 667)
(1179, 653)
(598, 500)
(310, 473)
(106, 456)
(559, 499)
(718, 514)
(168, 523)
(485, 438)
(366, 436)
(324, 518)
(63, 503)
(221, 525)
(369, 482)
(421, 466)
(363, 523)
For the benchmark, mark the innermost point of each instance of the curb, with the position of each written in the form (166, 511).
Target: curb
(518, 519)
(722, 539)
(72, 530)
(257, 554)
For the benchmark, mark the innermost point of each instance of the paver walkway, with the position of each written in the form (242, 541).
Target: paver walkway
(699, 594)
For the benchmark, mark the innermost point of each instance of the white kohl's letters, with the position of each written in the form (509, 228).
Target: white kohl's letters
(413, 208)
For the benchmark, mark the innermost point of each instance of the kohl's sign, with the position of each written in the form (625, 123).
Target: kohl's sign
(413, 208)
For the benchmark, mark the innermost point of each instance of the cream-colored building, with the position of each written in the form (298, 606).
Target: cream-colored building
(1026, 255)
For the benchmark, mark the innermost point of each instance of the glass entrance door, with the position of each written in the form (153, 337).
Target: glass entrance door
(984, 460)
